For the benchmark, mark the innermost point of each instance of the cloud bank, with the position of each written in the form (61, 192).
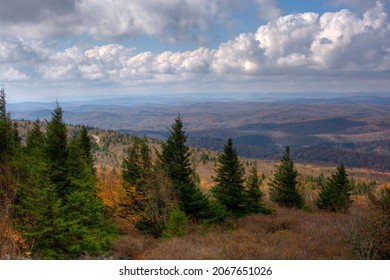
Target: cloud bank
(333, 47)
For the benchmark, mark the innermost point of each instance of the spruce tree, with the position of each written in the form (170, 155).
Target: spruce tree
(253, 194)
(229, 188)
(35, 138)
(336, 194)
(135, 168)
(137, 163)
(174, 159)
(57, 152)
(91, 228)
(283, 187)
(86, 148)
(59, 213)
(38, 209)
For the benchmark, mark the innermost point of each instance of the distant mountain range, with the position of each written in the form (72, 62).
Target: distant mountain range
(352, 128)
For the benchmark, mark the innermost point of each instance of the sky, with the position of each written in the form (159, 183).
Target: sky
(80, 49)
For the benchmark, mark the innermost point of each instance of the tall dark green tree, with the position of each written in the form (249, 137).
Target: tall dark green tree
(283, 187)
(336, 194)
(58, 210)
(253, 194)
(229, 179)
(35, 139)
(57, 153)
(85, 144)
(135, 168)
(137, 163)
(90, 228)
(174, 159)
(38, 209)
(175, 156)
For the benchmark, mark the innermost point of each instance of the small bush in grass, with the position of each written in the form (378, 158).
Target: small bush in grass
(177, 225)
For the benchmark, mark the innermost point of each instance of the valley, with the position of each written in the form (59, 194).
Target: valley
(354, 129)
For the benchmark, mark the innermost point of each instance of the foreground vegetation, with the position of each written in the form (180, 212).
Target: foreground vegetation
(49, 208)
(56, 205)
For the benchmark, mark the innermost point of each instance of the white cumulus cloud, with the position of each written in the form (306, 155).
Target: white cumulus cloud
(9, 73)
(340, 45)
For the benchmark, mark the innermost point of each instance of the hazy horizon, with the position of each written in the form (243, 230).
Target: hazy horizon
(195, 97)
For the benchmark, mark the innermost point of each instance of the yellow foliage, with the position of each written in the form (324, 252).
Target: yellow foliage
(110, 188)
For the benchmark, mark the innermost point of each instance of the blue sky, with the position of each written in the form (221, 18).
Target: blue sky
(74, 49)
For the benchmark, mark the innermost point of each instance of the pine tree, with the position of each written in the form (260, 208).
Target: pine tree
(253, 194)
(91, 229)
(57, 152)
(35, 138)
(283, 187)
(177, 224)
(86, 148)
(336, 194)
(38, 209)
(175, 157)
(58, 211)
(135, 168)
(175, 161)
(229, 188)
(137, 163)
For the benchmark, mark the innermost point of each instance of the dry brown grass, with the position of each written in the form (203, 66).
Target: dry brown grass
(131, 244)
(285, 234)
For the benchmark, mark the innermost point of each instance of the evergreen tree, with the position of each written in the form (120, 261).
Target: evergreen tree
(57, 152)
(58, 211)
(135, 168)
(253, 194)
(35, 138)
(177, 225)
(336, 194)
(283, 187)
(174, 159)
(137, 163)
(91, 229)
(38, 208)
(229, 188)
(86, 148)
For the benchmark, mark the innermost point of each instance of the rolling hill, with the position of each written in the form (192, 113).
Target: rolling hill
(353, 129)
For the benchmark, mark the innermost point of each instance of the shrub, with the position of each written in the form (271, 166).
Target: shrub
(177, 225)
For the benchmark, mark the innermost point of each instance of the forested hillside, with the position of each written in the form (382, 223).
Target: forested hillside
(71, 192)
(351, 129)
